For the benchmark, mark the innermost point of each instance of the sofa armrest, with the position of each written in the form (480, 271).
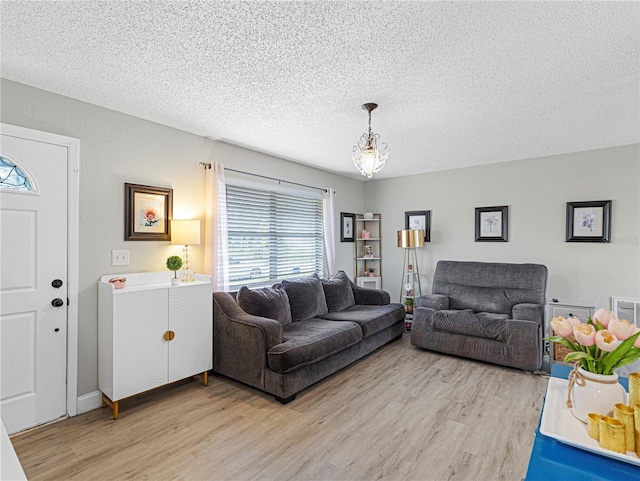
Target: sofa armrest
(241, 341)
(372, 297)
(529, 312)
(437, 302)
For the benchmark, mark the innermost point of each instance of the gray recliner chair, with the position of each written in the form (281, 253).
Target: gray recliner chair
(491, 312)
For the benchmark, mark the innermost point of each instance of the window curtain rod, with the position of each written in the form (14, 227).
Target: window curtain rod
(321, 189)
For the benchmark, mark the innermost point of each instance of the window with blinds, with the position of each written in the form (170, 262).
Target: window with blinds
(272, 236)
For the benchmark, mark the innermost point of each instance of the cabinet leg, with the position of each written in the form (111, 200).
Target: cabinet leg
(205, 378)
(115, 405)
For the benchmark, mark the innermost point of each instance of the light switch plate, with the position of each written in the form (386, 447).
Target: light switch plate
(120, 258)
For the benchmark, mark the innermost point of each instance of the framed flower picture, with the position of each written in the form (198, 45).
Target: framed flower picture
(347, 228)
(492, 224)
(419, 220)
(147, 212)
(589, 221)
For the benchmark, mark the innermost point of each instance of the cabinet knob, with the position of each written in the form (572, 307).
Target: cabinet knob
(169, 335)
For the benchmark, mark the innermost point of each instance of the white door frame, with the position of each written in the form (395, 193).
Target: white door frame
(73, 196)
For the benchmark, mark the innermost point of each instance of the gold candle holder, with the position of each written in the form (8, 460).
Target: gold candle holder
(624, 414)
(593, 425)
(612, 435)
(634, 388)
(636, 427)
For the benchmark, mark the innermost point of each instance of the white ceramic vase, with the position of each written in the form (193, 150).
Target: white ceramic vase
(175, 281)
(368, 215)
(598, 394)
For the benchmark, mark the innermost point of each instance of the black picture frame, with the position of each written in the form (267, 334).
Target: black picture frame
(589, 221)
(419, 219)
(158, 201)
(490, 218)
(347, 227)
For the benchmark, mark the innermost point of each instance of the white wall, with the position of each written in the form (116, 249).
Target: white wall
(117, 148)
(536, 191)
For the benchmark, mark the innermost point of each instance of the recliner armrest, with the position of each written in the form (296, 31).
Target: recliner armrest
(372, 297)
(528, 312)
(437, 302)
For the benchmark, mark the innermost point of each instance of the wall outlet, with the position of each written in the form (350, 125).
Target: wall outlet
(120, 258)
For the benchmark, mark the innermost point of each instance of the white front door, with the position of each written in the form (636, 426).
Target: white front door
(33, 283)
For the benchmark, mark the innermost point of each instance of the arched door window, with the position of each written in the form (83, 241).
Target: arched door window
(13, 177)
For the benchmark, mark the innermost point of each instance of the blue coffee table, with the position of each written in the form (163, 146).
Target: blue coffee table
(552, 460)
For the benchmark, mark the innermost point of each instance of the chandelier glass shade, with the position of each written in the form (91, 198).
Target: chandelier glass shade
(369, 154)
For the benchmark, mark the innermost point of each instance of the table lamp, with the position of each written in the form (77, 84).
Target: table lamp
(186, 232)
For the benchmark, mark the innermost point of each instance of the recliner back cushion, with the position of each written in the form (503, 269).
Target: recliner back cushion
(306, 297)
(490, 286)
(338, 292)
(266, 302)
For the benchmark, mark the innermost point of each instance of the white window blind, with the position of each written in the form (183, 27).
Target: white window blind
(272, 236)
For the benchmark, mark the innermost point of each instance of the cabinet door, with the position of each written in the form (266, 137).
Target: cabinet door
(140, 353)
(191, 319)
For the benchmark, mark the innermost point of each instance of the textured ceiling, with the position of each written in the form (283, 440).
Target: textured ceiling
(458, 83)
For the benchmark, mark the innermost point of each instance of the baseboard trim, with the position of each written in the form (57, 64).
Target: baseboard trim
(89, 402)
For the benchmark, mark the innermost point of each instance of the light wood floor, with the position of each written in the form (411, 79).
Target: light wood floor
(400, 414)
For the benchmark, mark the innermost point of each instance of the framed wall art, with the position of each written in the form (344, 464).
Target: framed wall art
(492, 224)
(419, 219)
(589, 221)
(347, 228)
(147, 212)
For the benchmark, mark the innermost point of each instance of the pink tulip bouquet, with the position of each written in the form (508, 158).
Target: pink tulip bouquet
(602, 344)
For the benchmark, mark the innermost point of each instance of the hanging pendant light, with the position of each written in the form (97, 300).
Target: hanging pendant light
(367, 156)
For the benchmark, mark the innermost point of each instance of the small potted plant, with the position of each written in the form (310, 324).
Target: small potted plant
(174, 263)
(371, 272)
(408, 302)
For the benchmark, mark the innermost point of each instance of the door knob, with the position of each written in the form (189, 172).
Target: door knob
(57, 302)
(57, 283)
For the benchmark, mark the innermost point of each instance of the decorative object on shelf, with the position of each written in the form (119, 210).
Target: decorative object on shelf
(367, 252)
(365, 234)
(174, 263)
(492, 224)
(347, 228)
(419, 220)
(368, 157)
(409, 302)
(589, 221)
(118, 282)
(598, 347)
(367, 215)
(186, 233)
(147, 212)
(371, 272)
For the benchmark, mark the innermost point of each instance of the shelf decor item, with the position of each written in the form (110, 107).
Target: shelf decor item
(147, 211)
(174, 263)
(598, 347)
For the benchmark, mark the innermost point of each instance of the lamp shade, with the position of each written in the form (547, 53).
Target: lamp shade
(410, 238)
(185, 232)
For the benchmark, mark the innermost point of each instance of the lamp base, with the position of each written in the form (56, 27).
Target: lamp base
(187, 276)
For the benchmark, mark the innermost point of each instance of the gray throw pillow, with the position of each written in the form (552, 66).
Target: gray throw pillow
(306, 298)
(266, 302)
(337, 291)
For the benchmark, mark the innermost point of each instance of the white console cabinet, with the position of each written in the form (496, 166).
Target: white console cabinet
(151, 333)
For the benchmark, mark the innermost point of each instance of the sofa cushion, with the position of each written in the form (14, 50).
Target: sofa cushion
(371, 319)
(309, 341)
(338, 292)
(266, 302)
(486, 325)
(306, 297)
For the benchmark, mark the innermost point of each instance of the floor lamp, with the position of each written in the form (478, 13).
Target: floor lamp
(186, 232)
(409, 240)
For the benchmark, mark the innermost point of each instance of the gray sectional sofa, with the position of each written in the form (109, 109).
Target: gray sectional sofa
(284, 338)
(492, 312)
